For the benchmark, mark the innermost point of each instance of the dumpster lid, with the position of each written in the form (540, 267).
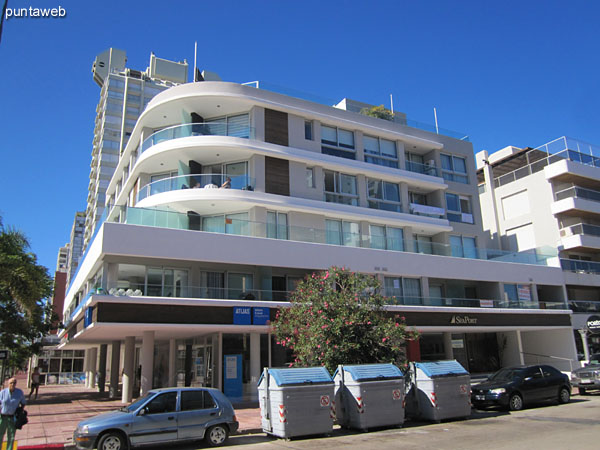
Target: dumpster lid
(300, 376)
(370, 372)
(441, 368)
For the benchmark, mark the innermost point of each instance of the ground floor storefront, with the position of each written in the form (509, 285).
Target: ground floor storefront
(133, 347)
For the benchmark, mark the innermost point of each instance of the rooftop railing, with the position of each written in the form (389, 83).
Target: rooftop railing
(200, 181)
(198, 129)
(329, 102)
(557, 150)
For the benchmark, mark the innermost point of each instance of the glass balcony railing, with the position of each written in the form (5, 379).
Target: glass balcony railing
(203, 181)
(578, 266)
(425, 169)
(584, 306)
(580, 229)
(578, 192)
(472, 303)
(229, 224)
(198, 129)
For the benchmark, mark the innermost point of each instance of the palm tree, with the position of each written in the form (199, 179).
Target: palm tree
(22, 279)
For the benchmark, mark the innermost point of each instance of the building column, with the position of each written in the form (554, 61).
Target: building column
(520, 347)
(404, 198)
(255, 369)
(172, 358)
(147, 361)
(218, 383)
(86, 367)
(584, 340)
(128, 372)
(93, 360)
(115, 359)
(448, 351)
(102, 368)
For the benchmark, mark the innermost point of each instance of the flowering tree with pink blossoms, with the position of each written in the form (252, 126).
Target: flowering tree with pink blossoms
(338, 317)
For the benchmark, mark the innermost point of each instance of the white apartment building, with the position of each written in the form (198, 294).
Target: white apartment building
(226, 195)
(550, 197)
(75, 245)
(124, 95)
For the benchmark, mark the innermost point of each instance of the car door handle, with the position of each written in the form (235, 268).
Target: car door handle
(170, 417)
(213, 414)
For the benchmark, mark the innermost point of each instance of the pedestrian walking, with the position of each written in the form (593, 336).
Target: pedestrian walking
(10, 399)
(35, 383)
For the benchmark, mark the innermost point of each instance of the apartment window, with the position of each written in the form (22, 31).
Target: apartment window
(459, 208)
(424, 245)
(463, 247)
(380, 151)
(383, 195)
(163, 182)
(518, 295)
(227, 224)
(340, 188)
(340, 232)
(405, 291)
(308, 130)
(454, 168)
(277, 225)
(416, 163)
(310, 177)
(165, 282)
(337, 142)
(240, 286)
(237, 126)
(386, 238)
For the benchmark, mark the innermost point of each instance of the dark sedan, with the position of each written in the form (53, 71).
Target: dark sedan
(514, 387)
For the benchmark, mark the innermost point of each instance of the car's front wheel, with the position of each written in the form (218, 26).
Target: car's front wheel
(216, 435)
(564, 395)
(515, 403)
(112, 441)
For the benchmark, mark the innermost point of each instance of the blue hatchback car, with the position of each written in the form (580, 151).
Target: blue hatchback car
(162, 416)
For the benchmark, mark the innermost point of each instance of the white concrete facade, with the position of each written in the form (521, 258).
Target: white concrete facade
(311, 186)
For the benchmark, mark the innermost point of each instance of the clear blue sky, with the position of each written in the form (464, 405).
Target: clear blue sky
(505, 72)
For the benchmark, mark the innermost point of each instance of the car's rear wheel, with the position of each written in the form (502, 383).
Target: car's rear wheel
(515, 402)
(216, 435)
(582, 391)
(112, 441)
(564, 395)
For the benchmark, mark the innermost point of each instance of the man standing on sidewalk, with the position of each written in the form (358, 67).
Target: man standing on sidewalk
(10, 399)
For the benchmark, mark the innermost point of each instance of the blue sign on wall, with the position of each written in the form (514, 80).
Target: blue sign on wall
(241, 315)
(88, 318)
(261, 316)
(232, 376)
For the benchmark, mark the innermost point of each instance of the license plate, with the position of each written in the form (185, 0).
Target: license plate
(480, 397)
(584, 381)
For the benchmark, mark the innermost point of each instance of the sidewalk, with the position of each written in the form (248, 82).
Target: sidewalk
(58, 409)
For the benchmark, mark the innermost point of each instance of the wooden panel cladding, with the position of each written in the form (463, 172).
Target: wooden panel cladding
(276, 127)
(277, 176)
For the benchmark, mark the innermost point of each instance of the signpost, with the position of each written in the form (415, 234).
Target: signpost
(3, 357)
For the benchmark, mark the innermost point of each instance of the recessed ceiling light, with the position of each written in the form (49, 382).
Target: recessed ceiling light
(218, 106)
(164, 117)
(162, 164)
(218, 154)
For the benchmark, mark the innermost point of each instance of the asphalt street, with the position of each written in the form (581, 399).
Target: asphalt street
(572, 426)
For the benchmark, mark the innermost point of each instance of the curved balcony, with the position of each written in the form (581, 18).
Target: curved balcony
(200, 181)
(240, 129)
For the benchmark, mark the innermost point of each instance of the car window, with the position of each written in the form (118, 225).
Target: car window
(196, 400)
(506, 375)
(533, 372)
(550, 371)
(162, 403)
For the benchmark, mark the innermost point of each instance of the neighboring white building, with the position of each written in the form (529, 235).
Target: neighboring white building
(226, 195)
(550, 197)
(124, 95)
